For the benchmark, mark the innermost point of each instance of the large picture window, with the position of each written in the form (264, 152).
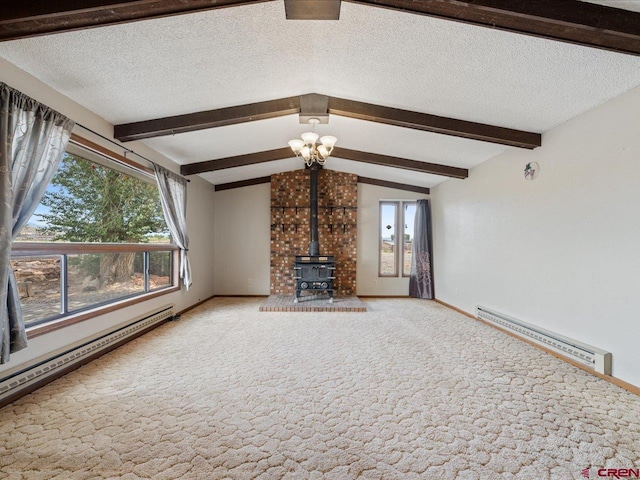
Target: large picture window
(396, 238)
(98, 237)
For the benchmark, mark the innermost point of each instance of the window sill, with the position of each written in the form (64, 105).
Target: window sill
(58, 323)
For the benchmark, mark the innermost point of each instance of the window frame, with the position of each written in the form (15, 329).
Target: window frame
(404, 204)
(399, 246)
(34, 249)
(396, 205)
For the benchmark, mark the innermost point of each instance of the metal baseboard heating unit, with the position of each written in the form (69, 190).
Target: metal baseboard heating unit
(592, 357)
(22, 379)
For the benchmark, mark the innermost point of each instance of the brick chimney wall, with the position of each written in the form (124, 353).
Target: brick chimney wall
(337, 219)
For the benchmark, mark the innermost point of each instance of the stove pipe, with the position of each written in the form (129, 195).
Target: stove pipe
(314, 245)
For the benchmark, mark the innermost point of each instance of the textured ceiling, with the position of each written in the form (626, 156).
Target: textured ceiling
(239, 55)
(633, 5)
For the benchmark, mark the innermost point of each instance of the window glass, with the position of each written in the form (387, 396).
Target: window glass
(38, 280)
(87, 201)
(159, 270)
(409, 213)
(94, 279)
(388, 238)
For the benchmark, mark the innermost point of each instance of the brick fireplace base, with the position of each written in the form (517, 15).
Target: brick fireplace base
(312, 303)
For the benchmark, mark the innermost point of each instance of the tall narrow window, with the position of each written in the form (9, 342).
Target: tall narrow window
(388, 263)
(408, 214)
(396, 238)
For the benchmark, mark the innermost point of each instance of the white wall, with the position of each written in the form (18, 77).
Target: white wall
(243, 235)
(562, 251)
(200, 227)
(367, 280)
(242, 239)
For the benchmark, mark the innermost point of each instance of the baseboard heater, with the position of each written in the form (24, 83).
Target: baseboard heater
(592, 357)
(23, 379)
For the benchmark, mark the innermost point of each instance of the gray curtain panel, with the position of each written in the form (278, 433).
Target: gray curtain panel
(33, 138)
(420, 281)
(173, 195)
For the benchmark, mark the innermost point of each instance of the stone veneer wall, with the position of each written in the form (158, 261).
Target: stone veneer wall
(337, 221)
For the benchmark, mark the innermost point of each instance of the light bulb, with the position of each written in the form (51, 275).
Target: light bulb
(305, 152)
(328, 141)
(296, 145)
(309, 137)
(322, 150)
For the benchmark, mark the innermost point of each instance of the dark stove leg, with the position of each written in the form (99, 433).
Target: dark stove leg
(295, 300)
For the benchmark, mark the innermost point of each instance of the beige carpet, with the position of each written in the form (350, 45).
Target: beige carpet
(406, 390)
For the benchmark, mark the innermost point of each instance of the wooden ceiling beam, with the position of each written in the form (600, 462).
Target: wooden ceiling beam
(208, 119)
(236, 161)
(572, 21)
(355, 155)
(397, 162)
(242, 183)
(397, 186)
(433, 123)
(43, 17)
(370, 181)
(336, 106)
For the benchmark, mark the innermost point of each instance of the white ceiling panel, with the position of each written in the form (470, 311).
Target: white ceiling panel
(378, 172)
(336, 164)
(409, 143)
(231, 140)
(633, 5)
(249, 172)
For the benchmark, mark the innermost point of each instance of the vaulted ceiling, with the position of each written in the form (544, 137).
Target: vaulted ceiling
(408, 95)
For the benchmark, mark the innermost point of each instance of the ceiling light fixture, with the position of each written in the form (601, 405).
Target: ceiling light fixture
(308, 148)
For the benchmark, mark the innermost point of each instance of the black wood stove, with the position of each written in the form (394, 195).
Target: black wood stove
(314, 272)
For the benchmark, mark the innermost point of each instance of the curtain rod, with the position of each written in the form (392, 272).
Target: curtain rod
(126, 149)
